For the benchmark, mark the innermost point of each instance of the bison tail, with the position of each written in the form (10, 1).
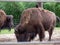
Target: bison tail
(58, 18)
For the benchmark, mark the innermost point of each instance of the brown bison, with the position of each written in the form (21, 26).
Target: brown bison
(6, 21)
(35, 21)
(2, 17)
(8, 24)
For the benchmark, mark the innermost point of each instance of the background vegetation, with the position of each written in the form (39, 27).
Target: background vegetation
(54, 7)
(16, 8)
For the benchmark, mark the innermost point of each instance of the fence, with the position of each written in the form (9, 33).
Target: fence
(30, 43)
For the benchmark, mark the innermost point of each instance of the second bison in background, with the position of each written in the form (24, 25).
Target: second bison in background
(6, 21)
(35, 21)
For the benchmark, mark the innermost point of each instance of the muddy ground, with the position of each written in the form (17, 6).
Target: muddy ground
(12, 38)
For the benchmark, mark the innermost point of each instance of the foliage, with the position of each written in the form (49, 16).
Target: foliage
(15, 8)
(54, 7)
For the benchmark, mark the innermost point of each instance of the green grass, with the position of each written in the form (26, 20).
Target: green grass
(57, 28)
(6, 31)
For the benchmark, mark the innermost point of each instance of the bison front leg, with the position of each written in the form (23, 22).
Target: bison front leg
(41, 32)
(32, 36)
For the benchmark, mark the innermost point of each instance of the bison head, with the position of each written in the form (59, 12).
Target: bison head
(24, 34)
(20, 34)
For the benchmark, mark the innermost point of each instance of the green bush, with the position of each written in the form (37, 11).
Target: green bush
(54, 7)
(16, 8)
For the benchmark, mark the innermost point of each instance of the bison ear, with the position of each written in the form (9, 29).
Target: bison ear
(20, 29)
(16, 30)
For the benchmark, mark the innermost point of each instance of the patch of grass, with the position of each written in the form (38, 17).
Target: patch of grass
(57, 28)
(6, 31)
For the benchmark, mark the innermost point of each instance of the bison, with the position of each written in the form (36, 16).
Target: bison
(2, 17)
(6, 21)
(35, 21)
(8, 24)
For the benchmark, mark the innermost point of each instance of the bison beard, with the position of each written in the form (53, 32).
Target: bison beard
(8, 24)
(35, 21)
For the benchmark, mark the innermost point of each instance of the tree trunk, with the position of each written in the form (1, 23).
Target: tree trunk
(40, 4)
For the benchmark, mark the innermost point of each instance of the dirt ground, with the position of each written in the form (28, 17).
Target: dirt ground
(12, 38)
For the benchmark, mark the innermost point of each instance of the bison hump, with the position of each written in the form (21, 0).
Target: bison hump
(2, 17)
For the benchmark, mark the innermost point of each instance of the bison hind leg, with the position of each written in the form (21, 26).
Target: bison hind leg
(50, 32)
